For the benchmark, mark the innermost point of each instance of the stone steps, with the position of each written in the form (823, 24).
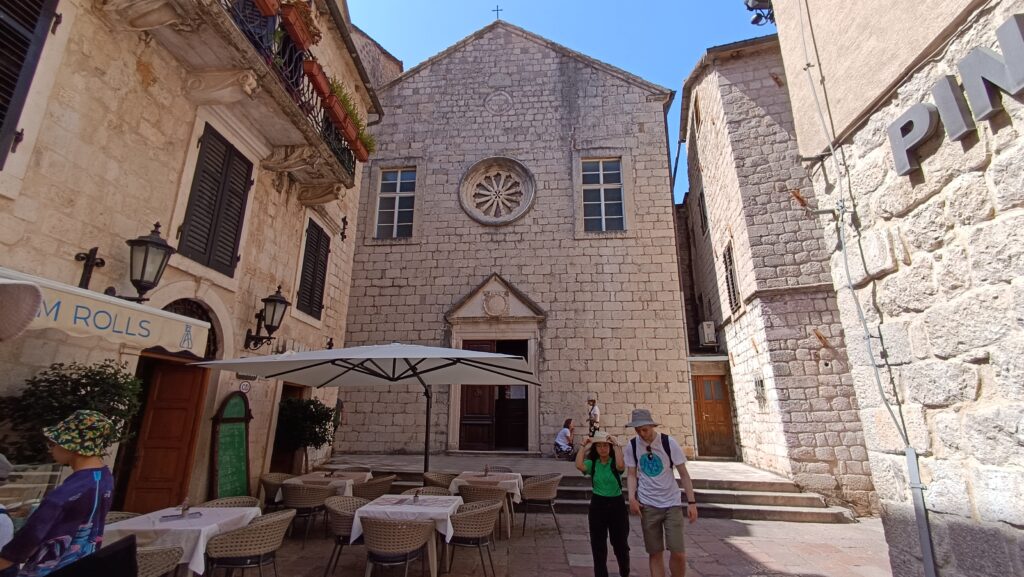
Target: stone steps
(762, 500)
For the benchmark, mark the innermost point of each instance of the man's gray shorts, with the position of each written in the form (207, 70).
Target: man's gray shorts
(663, 529)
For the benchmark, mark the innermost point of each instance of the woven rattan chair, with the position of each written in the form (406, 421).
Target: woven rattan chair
(232, 502)
(271, 485)
(254, 545)
(541, 490)
(475, 493)
(428, 491)
(157, 561)
(341, 512)
(373, 488)
(390, 543)
(308, 502)
(443, 480)
(474, 526)
(115, 516)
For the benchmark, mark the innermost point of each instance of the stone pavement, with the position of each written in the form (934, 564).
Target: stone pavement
(715, 547)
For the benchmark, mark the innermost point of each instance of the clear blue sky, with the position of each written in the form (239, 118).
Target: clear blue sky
(659, 40)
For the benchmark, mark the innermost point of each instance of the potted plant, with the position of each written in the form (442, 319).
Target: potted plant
(297, 17)
(369, 145)
(301, 424)
(317, 77)
(267, 8)
(56, 392)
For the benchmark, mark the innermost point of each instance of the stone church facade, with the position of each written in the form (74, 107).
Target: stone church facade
(519, 202)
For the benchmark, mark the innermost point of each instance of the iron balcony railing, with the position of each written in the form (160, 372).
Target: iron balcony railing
(271, 40)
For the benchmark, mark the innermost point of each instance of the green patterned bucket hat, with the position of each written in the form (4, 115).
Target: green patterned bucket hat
(84, 432)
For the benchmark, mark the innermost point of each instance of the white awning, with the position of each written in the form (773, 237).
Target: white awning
(83, 313)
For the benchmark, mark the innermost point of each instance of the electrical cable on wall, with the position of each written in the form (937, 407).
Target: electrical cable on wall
(920, 511)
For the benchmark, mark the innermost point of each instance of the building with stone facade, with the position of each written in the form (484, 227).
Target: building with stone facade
(761, 294)
(918, 134)
(519, 202)
(195, 115)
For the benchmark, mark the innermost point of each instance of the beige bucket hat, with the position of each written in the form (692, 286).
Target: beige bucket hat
(603, 437)
(19, 304)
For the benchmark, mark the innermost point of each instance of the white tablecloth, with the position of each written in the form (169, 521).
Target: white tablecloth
(342, 481)
(511, 482)
(192, 535)
(401, 508)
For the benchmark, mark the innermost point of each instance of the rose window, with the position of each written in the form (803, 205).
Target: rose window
(497, 191)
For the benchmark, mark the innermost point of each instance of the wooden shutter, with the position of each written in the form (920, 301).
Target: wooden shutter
(24, 25)
(216, 204)
(314, 270)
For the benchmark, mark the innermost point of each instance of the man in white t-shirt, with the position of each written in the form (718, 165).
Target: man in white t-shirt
(593, 415)
(654, 493)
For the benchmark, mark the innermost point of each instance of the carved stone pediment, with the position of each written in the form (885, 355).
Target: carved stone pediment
(495, 299)
(145, 14)
(221, 86)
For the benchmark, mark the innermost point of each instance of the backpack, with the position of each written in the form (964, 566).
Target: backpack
(664, 445)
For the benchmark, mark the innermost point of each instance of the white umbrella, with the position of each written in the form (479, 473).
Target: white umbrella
(394, 364)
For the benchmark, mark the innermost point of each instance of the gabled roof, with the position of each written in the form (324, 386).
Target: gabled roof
(527, 35)
(732, 49)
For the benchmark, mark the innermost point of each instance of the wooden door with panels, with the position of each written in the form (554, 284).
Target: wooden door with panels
(713, 412)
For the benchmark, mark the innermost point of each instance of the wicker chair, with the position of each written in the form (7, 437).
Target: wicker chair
(476, 493)
(254, 545)
(541, 490)
(443, 480)
(157, 561)
(373, 488)
(115, 516)
(308, 502)
(232, 502)
(390, 543)
(271, 485)
(474, 526)
(428, 491)
(341, 512)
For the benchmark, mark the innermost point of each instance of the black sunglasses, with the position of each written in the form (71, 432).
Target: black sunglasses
(650, 453)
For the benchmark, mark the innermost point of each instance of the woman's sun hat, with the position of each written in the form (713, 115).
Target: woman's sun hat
(603, 437)
(87, 433)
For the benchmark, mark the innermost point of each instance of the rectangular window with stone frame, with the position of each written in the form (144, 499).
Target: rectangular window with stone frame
(602, 195)
(396, 203)
(212, 228)
(310, 296)
(24, 27)
(731, 286)
(703, 206)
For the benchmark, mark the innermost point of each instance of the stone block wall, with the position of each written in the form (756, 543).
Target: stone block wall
(785, 336)
(614, 323)
(938, 267)
(380, 65)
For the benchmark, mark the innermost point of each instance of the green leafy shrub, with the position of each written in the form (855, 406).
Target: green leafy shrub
(52, 395)
(303, 424)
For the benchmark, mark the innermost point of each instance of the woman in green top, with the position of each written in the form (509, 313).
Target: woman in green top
(608, 517)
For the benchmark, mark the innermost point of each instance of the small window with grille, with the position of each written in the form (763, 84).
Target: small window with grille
(731, 286)
(759, 393)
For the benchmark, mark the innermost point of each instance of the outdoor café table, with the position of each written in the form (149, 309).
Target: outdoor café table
(190, 534)
(402, 508)
(342, 481)
(511, 482)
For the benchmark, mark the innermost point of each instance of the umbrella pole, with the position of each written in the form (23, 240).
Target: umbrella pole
(428, 393)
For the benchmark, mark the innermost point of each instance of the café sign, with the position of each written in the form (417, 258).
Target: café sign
(984, 74)
(83, 313)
